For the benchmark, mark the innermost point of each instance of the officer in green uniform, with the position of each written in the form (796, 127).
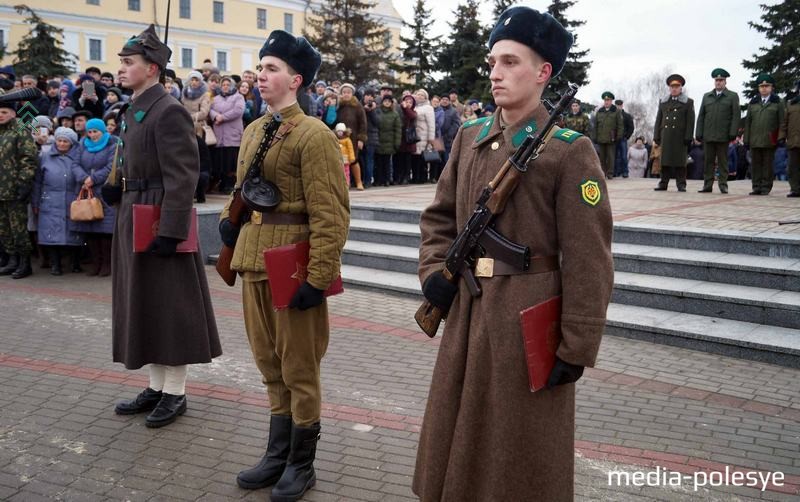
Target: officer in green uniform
(763, 133)
(576, 120)
(305, 163)
(791, 131)
(717, 124)
(608, 128)
(18, 162)
(673, 131)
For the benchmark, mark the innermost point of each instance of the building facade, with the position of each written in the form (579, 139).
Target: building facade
(228, 32)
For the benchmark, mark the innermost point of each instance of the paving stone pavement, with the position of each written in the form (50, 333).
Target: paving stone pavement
(644, 406)
(643, 409)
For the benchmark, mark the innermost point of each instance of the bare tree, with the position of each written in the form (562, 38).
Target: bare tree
(641, 100)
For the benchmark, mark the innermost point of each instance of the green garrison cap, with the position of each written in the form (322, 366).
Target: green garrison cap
(719, 73)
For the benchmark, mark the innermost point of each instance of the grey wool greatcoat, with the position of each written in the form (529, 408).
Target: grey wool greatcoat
(674, 129)
(485, 436)
(161, 307)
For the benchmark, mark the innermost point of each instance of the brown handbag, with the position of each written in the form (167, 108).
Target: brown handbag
(86, 207)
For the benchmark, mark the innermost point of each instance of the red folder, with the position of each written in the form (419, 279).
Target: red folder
(541, 335)
(287, 269)
(146, 218)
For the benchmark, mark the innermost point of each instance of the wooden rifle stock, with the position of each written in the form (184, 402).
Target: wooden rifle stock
(429, 318)
(236, 213)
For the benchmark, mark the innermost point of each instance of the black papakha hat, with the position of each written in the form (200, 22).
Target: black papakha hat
(297, 52)
(148, 45)
(541, 32)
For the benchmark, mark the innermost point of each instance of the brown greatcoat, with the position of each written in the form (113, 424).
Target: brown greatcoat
(485, 436)
(161, 307)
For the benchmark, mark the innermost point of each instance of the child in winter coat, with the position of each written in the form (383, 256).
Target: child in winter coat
(348, 152)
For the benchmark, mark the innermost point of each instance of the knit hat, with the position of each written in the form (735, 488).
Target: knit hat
(43, 121)
(95, 124)
(340, 127)
(321, 83)
(194, 74)
(67, 112)
(115, 90)
(53, 84)
(66, 133)
(350, 86)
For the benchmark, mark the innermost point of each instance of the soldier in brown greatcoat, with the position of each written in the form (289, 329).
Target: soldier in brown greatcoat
(485, 436)
(161, 308)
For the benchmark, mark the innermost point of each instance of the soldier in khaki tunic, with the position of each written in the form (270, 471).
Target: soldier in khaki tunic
(674, 131)
(288, 345)
(763, 133)
(485, 436)
(717, 125)
(791, 131)
(608, 128)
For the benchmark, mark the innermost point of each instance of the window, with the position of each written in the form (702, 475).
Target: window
(93, 2)
(2, 39)
(261, 19)
(134, 5)
(222, 60)
(95, 49)
(187, 57)
(219, 13)
(288, 20)
(186, 9)
(387, 40)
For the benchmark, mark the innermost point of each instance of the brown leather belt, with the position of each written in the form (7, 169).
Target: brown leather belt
(279, 218)
(488, 267)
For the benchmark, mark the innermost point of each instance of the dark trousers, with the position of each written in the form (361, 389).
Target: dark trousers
(382, 164)
(621, 158)
(793, 166)
(763, 174)
(202, 185)
(607, 155)
(402, 168)
(14, 227)
(677, 172)
(718, 151)
(224, 161)
(419, 169)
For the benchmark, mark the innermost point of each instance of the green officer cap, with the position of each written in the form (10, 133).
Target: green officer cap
(765, 78)
(607, 95)
(719, 73)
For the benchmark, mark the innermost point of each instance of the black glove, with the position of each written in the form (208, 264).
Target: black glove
(111, 194)
(699, 139)
(306, 297)
(24, 192)
(564, 372)
(781, 142)
(439, 291)
(228, 232)
(163, 246)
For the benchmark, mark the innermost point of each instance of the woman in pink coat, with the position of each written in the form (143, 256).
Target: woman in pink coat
(226, 113)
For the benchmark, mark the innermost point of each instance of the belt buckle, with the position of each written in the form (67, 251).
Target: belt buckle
(124, 185)
(484, 267)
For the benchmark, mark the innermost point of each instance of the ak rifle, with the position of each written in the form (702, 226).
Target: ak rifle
(478, 236)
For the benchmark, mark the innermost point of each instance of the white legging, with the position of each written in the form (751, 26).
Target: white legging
(170, 379)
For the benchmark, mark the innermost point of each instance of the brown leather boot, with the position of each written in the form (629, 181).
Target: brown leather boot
(356, 168)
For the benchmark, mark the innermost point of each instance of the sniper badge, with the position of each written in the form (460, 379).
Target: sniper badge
(590, 192)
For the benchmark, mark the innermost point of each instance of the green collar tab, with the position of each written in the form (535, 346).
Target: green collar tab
(474, 122)
(485, 129)
(567, 135)
(524, 132)
(139, 116)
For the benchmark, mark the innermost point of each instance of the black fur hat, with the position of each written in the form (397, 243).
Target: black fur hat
(541, 32)
(295, 51)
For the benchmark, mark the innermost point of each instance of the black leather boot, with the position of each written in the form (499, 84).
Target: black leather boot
(299, 475)
(11, 265)
(166, 411)
(4, 257)
(76, 260)
(55, 261)
(24, 269)
(145, 401)
(268, 471)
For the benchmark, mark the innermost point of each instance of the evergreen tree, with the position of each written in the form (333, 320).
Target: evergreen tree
(500, 6)
(355, 46)
(39, 53)
(576, 69)
(463, 58)
(780, 23)
(420, 48)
